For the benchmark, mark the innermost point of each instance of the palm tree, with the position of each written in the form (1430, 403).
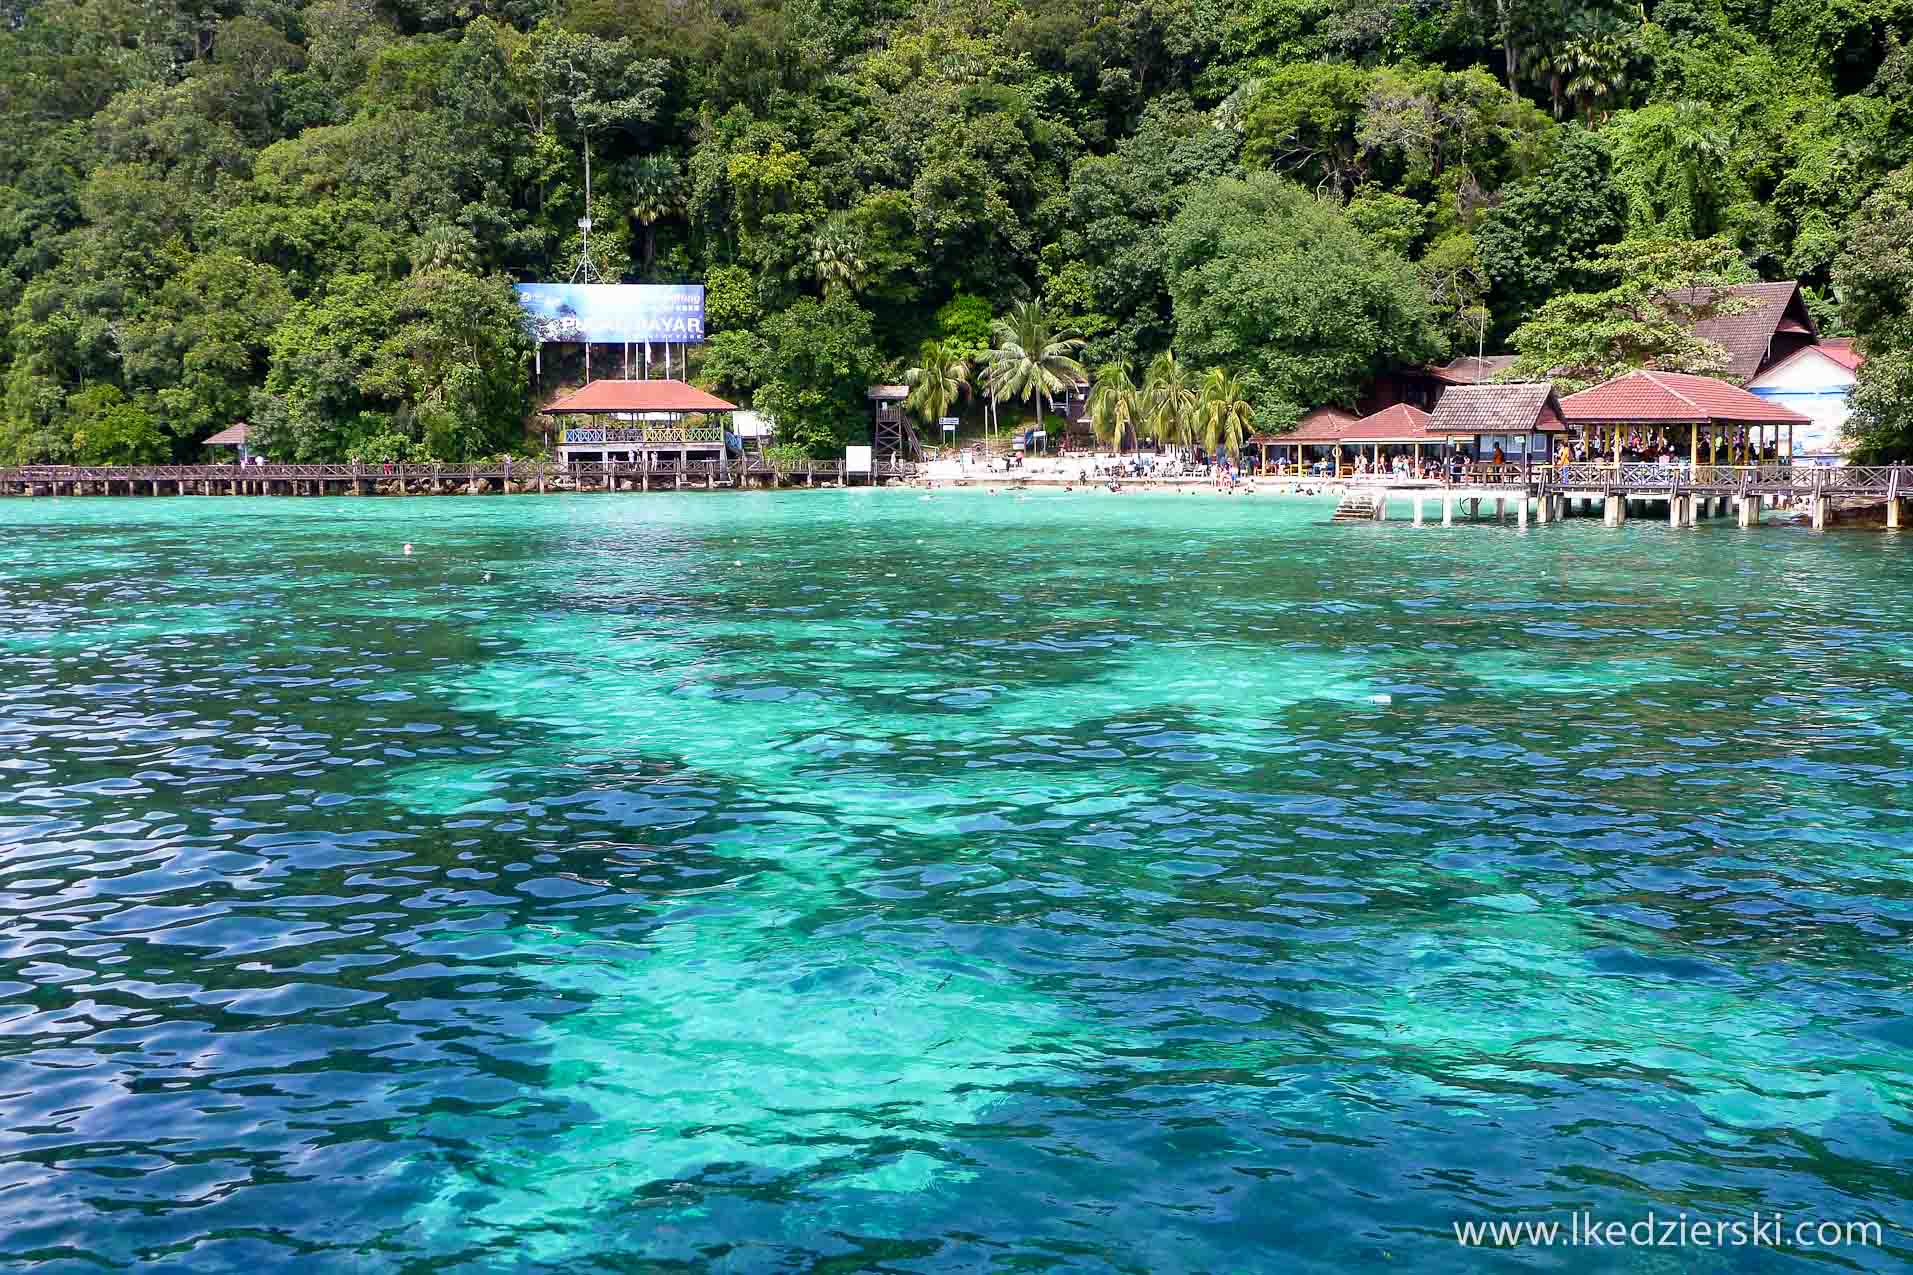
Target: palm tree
(1116, 406)
(1596, 61)
(941, 377)
(1031, 359)
(1225, 412)
(1170, 400)
(657, 191)
(838, 259)
(446, 247)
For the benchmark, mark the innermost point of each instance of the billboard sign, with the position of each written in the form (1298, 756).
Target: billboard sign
(856, 460)
(615, 312)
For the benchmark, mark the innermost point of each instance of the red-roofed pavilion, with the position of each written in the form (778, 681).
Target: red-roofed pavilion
(1398, 430)
(1320, 428)
(626, 420)
(1648, 412)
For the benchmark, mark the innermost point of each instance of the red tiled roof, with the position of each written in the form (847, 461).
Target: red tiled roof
(232, 436)
(1503, 407)
(1402, 423)
(1841, 351)
(1323, 425)
(1844, 357)
(1470, 370)
(1658, 398)
(638, 396)
(1748, 334)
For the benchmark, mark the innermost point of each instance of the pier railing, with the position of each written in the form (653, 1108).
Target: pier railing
(276, 479)
(1836, 480)
(1654, 474)
(1642, 478)
(660, 432)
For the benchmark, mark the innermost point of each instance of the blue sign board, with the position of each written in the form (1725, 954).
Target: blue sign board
(615, 312)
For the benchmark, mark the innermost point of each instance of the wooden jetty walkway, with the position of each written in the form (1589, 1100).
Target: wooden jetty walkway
(662, 473)
(1683, 493)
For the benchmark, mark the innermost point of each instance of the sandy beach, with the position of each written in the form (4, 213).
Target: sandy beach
(1090, 470)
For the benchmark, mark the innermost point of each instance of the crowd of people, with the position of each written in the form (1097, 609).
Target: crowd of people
(1438, 463)
(1636, 450)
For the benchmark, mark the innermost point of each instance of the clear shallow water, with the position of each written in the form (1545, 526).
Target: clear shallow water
(843, 881)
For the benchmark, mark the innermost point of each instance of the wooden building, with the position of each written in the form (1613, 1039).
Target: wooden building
(1423, 387)
(893, 436)
(1770, 322)
(1519, 419)
(238, 435)
(633, 421)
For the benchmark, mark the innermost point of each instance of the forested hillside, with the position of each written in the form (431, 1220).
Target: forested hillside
(309, 215)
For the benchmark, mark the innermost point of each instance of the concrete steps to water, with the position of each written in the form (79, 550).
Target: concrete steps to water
(1356, 506)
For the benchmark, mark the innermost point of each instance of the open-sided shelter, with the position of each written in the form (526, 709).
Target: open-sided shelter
(632, 420)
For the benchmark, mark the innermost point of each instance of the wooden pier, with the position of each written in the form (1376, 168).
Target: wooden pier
(1682, 494)
(658, 473)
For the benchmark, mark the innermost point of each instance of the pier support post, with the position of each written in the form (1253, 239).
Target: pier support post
(1416, 499)
(1616, 511)
(1749, 510)
(1447, 508)
(1501, 509)
(1543, 507)
(1695, 505)
(1893, 513)
(1381, 506)
(1521, 511)
(1822, 508)
(1674, 509)
(1474, 510)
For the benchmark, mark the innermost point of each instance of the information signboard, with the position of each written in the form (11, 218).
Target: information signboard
(614, 313)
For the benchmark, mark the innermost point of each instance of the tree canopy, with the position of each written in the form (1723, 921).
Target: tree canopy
(1276, 282)
(308, 214)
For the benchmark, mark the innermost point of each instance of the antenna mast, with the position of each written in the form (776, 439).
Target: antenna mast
(583, 271)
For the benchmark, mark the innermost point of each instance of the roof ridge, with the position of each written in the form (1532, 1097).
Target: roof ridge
(1655, 377)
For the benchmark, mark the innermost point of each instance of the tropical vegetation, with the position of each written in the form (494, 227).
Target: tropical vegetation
(308, 214)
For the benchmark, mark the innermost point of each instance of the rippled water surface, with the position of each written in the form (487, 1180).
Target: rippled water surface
(864, 880)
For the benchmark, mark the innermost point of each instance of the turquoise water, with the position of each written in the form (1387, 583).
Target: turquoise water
(868, 880)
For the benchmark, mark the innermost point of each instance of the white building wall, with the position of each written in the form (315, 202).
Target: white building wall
(1818, 388)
